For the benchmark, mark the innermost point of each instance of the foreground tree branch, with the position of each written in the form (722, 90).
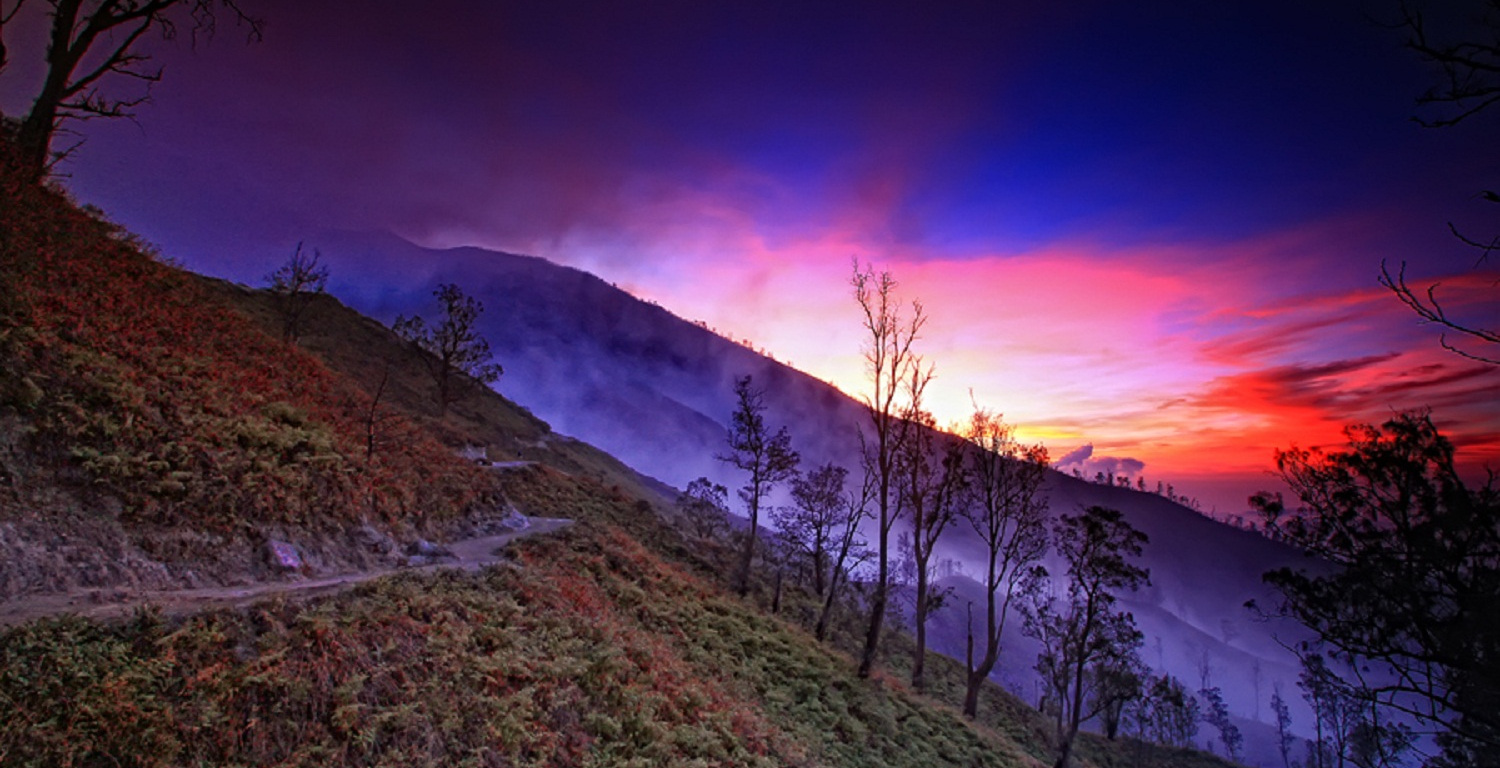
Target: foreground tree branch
(1007, 509)
(1411, 606)
(89, 42)
(1470, 67)
(767, 456)
(890, 360)
(1430, 310)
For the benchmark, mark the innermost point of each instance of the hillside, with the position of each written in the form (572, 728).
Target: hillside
(149, 437)
(155, 436)
(598, 363)
(370, 354)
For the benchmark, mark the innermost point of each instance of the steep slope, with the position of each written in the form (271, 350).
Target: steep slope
(590, 651)
(379, 362)
(593, 361)
(656, 391)
(589, 648)
(150, 437)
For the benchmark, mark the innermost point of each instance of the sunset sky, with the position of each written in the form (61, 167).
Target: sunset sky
(1150, 227)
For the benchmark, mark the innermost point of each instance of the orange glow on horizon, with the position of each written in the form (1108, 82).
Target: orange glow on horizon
(1197, 360)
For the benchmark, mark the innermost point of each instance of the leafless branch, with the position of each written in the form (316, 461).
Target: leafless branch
(5, 17)
(1431, 310)
(1470, 68)
(90, 42)
(1485, 249)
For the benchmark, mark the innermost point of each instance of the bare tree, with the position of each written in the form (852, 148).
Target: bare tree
(456, 355)
(931, 481)
(767, 456)
(377, 416)
(1468, 64)
(1008, 511)
(91, 42)
(889, 361)
(850, 549)
(295, 285)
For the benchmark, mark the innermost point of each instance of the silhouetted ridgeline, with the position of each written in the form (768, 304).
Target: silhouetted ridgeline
(152, 434)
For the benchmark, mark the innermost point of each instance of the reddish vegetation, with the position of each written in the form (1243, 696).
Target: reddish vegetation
(569, 664)
(181, 409)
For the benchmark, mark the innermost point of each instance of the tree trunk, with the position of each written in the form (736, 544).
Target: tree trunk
(971, 690)
(919, 657)
(820, 568)
(743, 587)
(34, 142)
(1065, 750)
(827, 612)
(1075, 709)
(776, 598)
(971, 694)
(977, 675)
(822, 631)
(877, 617)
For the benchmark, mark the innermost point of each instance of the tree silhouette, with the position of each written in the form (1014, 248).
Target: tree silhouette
(1468, 83)
(295, 285)
(1117, 682)
(1082, 635)
(1411, 608)
(1348, 730)
(89, 43)
(816, 522)
(1166, 713)
(768, 458)
(455, 354)
(930, 484)
(1007, 510)
(889, 362)
(1218, 717)
(1431, 310)
(1469, 65)
(850, 550)
(1285, 739)
(705, 505)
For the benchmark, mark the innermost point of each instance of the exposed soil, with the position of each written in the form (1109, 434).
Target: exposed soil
(466, 554)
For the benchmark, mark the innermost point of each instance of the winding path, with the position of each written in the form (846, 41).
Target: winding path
(468, 555)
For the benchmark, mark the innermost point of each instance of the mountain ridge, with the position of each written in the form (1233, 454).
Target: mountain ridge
(596, 346)
(582, 647)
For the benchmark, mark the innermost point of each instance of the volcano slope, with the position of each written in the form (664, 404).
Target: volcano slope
(154, 435)
(657, 391)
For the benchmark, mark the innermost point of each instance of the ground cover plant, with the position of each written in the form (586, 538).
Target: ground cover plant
(591, 650)
(182, 411)
(617, 642)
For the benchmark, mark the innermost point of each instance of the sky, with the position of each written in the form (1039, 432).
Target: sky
(1148, 233)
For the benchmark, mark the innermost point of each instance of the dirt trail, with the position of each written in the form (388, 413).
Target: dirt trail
(468, 555)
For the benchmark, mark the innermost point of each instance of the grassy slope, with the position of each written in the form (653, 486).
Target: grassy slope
(123, 371)
(592, 650)
(370, 354)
